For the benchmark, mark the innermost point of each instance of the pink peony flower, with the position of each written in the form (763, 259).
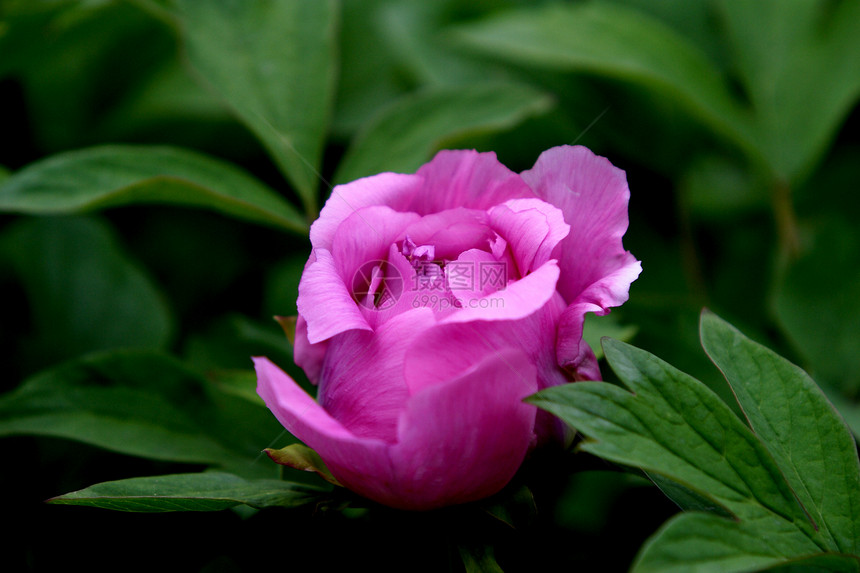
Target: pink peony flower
(433, 303)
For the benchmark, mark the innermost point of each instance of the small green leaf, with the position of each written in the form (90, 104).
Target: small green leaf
(408, 133)
(211, 491)
(809, 441)
(274, 64)
(302, 458)
(115, 175)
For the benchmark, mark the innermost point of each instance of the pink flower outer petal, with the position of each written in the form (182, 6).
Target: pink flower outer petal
(465, 178)
(362, 377)
(309, 357)
(453, 178)
(464, 343)
(465, 439)
(458, 442)
(325, 302)
(392, 189)
(596, 271)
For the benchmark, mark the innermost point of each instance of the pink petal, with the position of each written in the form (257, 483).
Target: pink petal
(325, 302)
(464, 276)
(464, 439)
(457, 442)
(309, 357)
(465, 178)
(366, 236)
(452, 232)
(392, 189)
(465, 343)
(593, 196)
(362, 383)
(532, 228)
(361, 464)
(517, 300)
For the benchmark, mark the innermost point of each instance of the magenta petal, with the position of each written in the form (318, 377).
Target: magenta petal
(366, 236)
(532, 228)
(464, 439)
(325, 302)
(458, 441)
(461, 178)
(391, 189)
(309, 357)
(361, 464)
(362, 382)
(593, 196)
(517, 300)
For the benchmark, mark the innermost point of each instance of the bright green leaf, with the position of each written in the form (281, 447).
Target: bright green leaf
(407, 134)
(274, 64)
(189, 492)
(116, 175)
(809, 441)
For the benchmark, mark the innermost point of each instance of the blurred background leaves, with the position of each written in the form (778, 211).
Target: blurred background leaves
(735, 121)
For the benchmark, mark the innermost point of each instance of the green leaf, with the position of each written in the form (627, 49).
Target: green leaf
(210, 491)
(4, 174)
(705, 543)
(408, 133)
(816, 301)
(809, 441)
(302, 458)
(672, 426)
(274, 64)
(84, 293)
(115, 175)
(617, 42)
(143, 404)
(686, 498)
(791, 484)
(675, 426)
(801, 73)
(479, 559)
